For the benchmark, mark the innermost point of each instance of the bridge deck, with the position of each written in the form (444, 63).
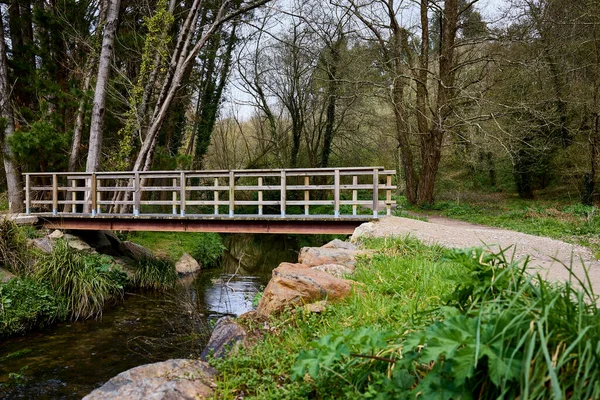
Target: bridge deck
(269, 201)
(300, 224)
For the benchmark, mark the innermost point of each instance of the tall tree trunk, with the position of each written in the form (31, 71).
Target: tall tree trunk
(15, 190)
(99, 109)
(79, 119)
(431, 141)
(332, 95)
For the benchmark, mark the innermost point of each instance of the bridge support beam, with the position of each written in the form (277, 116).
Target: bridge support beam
(279, 226)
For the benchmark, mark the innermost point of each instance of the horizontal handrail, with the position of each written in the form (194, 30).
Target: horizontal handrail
(125, 192)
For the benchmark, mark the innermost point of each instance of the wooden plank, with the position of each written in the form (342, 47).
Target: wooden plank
(388, 196)
(136, 194)
(354, 194)
(231, 193)
(306, 195)
(174, 197)
(310, 202)
(216, 196)
(260, 195)
(27, 194)
(74, 196)
(94, 197)
(98, 196)
(182, 193)
(54, 194)
(375, 192)
(283, 193)
(336, 193)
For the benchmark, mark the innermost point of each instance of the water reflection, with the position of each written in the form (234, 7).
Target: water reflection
(69, 360)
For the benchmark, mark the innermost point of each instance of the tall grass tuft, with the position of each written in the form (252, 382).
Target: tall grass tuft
(14, 252)
(154, 273)
(84, 284)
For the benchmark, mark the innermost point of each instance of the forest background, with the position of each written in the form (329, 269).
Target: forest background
(455, 95)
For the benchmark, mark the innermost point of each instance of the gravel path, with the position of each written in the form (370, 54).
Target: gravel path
(546, 255)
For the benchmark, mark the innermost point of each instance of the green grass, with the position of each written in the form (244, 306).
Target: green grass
(172, 245)
(429, 323)
(571, 222)
(154, 273)
(85, 281)
(401, 283)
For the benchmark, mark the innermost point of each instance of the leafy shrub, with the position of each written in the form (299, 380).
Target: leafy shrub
(26, 304)
(208, 249)
(84, 280)
(154, 273)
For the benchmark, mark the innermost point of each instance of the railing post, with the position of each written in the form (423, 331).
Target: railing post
(336, 193)
(54, 194)
(136, 194)
(354, 195)
(231, 193)
(73, 196)
(27, 194)
(260, 196)
(182, 194)
(98, 197)
(375, 192)
(388, 196)
(283, 193)
(306, 195)
(94, 194)
(216, 196)
(174, 196)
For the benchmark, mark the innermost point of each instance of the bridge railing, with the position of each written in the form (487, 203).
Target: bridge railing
(266, 192)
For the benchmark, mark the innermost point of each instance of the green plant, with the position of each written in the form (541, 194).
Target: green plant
(14, 252)
(27, 304)
(154, 273)
(208, 249)
(82, 279)
(503, 334)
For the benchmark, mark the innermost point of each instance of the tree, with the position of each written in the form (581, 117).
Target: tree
(7, 127)
(104, 67)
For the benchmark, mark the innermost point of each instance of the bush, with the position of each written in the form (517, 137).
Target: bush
(208, 250)
(154, 273)
(27, 304)
(84, 280)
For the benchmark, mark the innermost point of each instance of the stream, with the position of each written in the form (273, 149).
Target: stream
(69, 360)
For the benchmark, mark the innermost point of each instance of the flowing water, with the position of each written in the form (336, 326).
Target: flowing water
(68, 360)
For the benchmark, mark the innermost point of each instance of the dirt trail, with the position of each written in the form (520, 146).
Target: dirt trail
(546, 255)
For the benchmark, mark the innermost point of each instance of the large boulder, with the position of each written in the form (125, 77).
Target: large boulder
(336, 270)
(172, 379)
(45, 244)
(226, 336)
(365, 230)
(76, 243)
(187, 265)
(313, 256)
(135, 251)
(6, 275)
(339, 244)
(298, 284)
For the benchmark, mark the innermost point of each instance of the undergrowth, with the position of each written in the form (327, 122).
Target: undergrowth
(431, 324)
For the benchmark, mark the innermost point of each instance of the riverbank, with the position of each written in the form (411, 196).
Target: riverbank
(424, 321)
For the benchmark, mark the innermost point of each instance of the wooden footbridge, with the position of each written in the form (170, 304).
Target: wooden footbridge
(323, 200)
